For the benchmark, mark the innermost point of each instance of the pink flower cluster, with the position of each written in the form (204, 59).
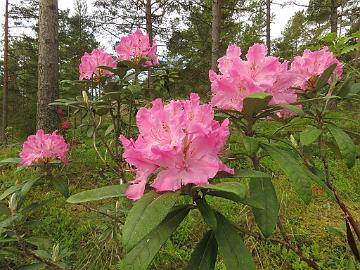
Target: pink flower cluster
(179, 142)
(42, 148)
(258, 73)
(136, 46)
(90, 63)
(312, 64)
(133, 47)
(239, 78)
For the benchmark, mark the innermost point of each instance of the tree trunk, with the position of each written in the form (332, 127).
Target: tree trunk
(48, 69)
(215, 33)
(149, 31)
(6, 73)
(268, 22)
(333, 16)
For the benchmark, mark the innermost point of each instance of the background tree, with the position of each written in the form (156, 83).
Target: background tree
(189, 48)
(268, 25)
(215, 32)
(76, 36)
(293, 37)
(117, 17)
(48, 65)
(6, 73)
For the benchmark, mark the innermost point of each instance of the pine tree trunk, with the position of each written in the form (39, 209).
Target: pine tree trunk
(6, 74)
(149, 31)
(333, 16)
(48, 69)
(215, 33)
(268, 22)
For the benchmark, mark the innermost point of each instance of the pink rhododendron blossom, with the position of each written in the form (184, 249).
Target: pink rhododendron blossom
(258, 73)
(136, 46)
(179, 142)
(312, 64)
(42, 148)
(91, 61)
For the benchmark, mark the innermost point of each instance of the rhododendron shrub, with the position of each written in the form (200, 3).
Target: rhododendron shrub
(43, 148)
(172, 165)
(179, 141)
(90, 63)
(110, 87)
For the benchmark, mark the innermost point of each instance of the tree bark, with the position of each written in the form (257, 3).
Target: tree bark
(333, 16)
(215, 33)
(268, 22)
(48, 69)
(6, 74)
(149, 30)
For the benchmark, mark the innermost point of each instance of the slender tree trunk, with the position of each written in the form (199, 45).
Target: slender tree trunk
(48, 69)
(6, 73)
(268, 22)
(333, 16)
(149, 30)
(215, 32)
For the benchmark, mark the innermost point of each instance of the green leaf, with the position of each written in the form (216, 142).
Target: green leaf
(263, 190)
(27, 186)
(231, 245)
(349, 48)
(61, 186)
(255, 103)
(32, 266)
(207, 213)
(251, 145)
(346, 145)
(297, 173)
(7, 222)
(309, 135)
(109, 129)
(9, 191)
(10, 161)
(144, 252)
(247, 173)
(145, 215)
(36, 205)
(345, 88)
(354, 90)
(291, 108)
(98, 194)
(235, 191)
(324, 78)
(204, 255)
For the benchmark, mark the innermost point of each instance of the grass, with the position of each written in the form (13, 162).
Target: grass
(88, 241)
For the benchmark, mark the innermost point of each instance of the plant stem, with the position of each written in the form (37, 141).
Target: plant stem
(328, 180)
(329, 183)
(286, 244)
(32, 254)
(256, 164)
(113, 156)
